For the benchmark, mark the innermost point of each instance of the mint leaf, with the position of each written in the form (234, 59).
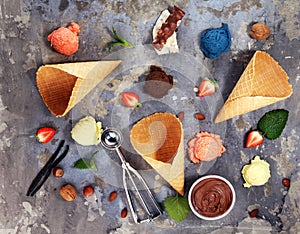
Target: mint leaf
(93, 165)
(118, 37)
(82, 164)
(120, 41)
(92, 161)
(273, 123)
(177, 207)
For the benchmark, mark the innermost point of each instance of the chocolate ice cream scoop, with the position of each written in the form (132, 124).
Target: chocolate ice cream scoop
(158, 82)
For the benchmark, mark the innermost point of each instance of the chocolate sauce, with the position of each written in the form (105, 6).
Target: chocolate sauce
(211, 197)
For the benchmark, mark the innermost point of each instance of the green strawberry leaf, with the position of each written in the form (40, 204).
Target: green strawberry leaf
(177, 207)
(273, 123)
(213, 81)
(82, 164)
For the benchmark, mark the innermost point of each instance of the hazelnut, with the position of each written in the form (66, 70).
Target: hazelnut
(166, 30)
(113, 195)
(286, 182)
(57, 172)
(173, 25)
(259, 31)
(88, 191)
(124, 213)
(68, 192)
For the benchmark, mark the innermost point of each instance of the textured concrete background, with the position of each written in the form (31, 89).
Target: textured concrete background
(24, 28)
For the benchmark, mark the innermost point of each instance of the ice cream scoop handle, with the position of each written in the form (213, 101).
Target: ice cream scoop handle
(146, 188)
(134, 215)
(129, 172)
(128, 169)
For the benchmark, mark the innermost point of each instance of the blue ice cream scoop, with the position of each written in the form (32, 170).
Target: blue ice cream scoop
(215, 41)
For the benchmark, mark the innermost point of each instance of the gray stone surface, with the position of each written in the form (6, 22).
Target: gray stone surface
(24, 47)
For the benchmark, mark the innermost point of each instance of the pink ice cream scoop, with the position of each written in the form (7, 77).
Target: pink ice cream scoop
(205, 147)
(65, 40)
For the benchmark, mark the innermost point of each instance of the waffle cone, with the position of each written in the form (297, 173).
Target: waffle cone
(62, 86)
(263, 82)
(158, 138)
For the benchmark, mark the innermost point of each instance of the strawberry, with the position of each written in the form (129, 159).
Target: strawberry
(254, 138)
(44, 135)
(131, 99)
(207, 87)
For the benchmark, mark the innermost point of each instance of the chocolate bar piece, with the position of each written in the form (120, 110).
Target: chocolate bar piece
(168, 28)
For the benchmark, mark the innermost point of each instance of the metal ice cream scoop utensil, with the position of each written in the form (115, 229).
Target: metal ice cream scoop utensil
(137, 192)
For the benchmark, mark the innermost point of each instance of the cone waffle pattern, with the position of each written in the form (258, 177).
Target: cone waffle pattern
(262, 83)
(62, 86)
(158, 138)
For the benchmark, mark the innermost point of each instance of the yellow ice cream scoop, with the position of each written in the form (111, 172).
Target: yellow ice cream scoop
(87, 131)
(256, 173)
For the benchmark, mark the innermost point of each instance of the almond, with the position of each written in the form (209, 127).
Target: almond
(180, 115)
(113, 195)
(253, 213)
(124, 213)
(199, 116)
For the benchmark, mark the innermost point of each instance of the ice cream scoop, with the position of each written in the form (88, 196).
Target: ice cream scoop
(205, 147)
(65, 40)
(158, 82)
(87, 131)
(256, 173)
(215, 41)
